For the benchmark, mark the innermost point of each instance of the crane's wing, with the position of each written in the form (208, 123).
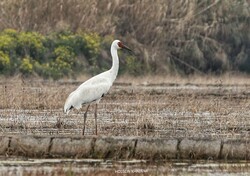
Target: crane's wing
(87, 92)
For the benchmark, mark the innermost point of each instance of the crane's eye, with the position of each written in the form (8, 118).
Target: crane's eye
(120, 44)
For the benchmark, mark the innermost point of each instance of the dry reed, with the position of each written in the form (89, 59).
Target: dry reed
(169, 36)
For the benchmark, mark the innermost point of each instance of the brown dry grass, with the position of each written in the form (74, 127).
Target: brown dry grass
(170, 36)
(164, 107)
(224, 79)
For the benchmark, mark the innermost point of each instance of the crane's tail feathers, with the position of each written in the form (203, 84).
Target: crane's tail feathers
(66, 110)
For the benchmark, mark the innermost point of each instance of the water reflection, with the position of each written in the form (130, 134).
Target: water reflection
(22, 166)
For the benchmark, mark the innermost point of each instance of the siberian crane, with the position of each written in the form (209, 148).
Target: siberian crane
(92, 90)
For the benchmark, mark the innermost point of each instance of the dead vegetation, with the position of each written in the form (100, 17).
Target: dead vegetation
(168, 36)
(208, 109)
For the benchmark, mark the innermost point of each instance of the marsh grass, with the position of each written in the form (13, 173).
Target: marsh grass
(168, 36)
(193, 107)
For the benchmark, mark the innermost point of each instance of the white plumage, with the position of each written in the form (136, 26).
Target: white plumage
(88, 92)
(92, 90)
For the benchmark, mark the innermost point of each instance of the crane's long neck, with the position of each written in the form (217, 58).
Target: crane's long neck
(115, 63)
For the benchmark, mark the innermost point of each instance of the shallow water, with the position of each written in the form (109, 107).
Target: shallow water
(22, 166)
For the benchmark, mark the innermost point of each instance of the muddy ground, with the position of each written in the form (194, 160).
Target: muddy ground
(156, 110)
(218, 110)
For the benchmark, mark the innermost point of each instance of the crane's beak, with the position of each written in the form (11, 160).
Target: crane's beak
(127, 48)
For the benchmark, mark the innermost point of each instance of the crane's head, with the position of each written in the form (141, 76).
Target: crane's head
(119, 45)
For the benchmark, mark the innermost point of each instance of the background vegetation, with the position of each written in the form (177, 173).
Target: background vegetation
(67, 37)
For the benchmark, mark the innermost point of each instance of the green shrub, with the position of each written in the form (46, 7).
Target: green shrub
(26, 66)
(66, 38)
(46, 70)
(80, 44)
(4, 62)
(92, 43)
(91, 49)
(31, 44)
(63, 63)
(58, 54)
(8, 41)
(65, 54)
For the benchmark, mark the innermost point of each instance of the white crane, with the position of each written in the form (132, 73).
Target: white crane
(92, 90)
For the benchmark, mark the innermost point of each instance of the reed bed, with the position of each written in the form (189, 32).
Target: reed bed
(168, 36)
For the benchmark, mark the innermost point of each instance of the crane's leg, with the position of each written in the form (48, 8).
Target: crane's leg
(96, 119)
(85, 116)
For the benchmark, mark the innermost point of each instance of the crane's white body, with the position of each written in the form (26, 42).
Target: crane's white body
(96, 87)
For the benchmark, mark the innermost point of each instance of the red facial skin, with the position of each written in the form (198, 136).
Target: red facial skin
(123, 46)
